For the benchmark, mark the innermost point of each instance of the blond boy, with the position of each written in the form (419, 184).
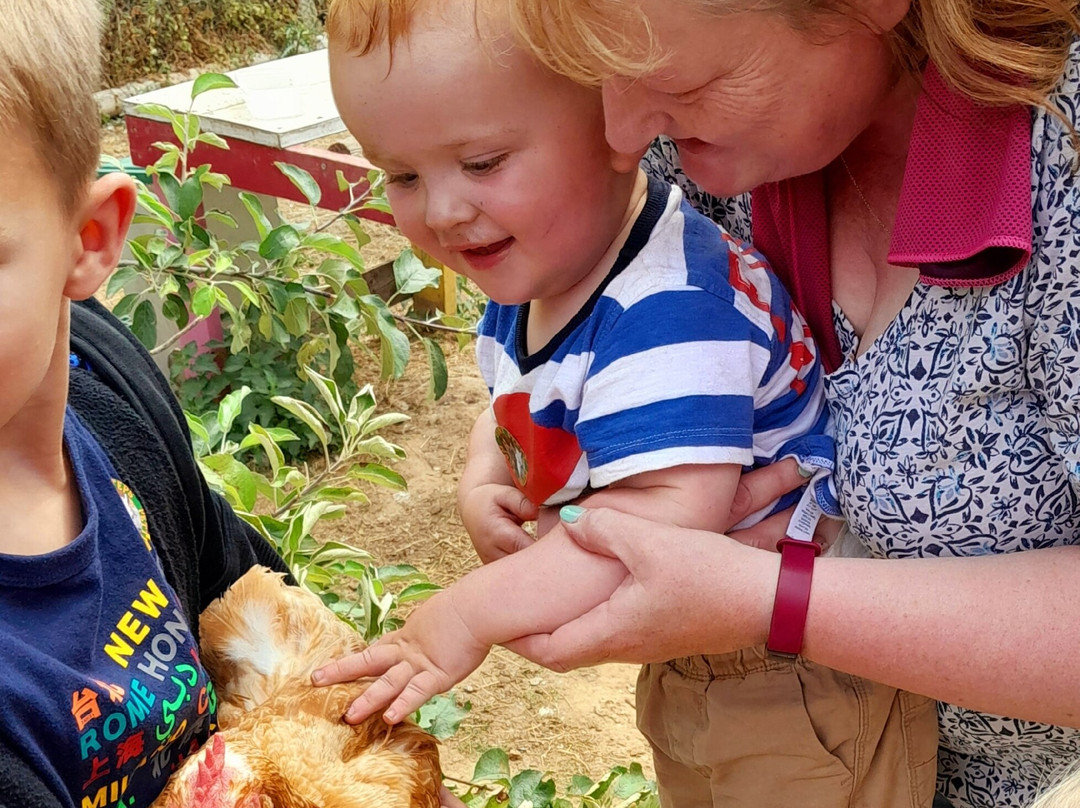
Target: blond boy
(639, 358)
(110, 542)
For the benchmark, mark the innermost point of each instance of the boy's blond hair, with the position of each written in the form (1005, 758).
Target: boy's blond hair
(50, 66)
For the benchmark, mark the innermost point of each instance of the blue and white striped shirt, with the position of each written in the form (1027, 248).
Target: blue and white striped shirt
(689, 352)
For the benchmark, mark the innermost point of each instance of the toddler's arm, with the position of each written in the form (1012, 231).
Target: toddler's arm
(695, 496)
(530, 592)
(536, 590)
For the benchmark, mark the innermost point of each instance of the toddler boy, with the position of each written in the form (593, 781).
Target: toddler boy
(638, 358)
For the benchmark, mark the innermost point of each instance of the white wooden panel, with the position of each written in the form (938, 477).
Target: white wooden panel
(280, 103)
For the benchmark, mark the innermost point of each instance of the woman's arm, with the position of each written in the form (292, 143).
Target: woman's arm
(998, 634)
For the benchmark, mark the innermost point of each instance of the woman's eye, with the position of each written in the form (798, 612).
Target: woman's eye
(482, 167)
(688, 96)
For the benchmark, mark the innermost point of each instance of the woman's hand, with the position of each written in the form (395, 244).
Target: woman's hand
(756, 490)
(767, 484)
(686, 592)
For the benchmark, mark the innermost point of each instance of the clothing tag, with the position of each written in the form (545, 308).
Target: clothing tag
(807, 512)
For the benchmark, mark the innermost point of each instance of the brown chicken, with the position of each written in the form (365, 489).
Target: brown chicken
(282, 743)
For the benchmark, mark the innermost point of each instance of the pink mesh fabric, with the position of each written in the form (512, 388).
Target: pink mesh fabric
(964, 215)
(790, 229)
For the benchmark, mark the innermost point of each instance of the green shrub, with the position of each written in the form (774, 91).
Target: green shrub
(268, 368)
(145, 37)
(291, 301)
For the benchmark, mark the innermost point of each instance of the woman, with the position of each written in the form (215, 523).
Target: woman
(932, 241)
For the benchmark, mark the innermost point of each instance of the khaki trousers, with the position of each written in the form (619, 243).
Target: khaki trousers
(747, 730)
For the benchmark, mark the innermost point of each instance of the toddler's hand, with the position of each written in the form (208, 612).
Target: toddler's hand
(493, 515)
(431, 653)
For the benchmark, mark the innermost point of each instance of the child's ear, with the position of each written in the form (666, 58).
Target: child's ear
(103, 222)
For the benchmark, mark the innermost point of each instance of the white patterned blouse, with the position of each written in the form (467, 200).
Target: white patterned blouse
(958, 433)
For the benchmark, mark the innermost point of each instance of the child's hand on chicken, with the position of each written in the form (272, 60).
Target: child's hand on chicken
(531, 592)
(432, 652)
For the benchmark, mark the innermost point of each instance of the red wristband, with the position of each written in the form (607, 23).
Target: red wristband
(792, 596)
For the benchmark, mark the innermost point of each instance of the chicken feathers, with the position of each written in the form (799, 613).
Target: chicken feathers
(282, 743)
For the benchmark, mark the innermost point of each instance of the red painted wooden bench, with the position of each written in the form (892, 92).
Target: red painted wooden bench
(279, 107)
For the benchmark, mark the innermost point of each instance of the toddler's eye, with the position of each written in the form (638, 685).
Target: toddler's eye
(400, 179)
(482, 167)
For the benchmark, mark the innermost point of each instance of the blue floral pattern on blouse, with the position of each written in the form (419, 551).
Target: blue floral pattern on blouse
(958, 434)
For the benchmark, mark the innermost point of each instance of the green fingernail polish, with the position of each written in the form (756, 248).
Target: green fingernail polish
(570, 513)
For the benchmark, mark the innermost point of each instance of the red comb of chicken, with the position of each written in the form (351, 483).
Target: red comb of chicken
(211, 783)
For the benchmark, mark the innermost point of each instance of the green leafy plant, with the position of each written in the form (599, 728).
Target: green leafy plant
(494, 786)
(470, 308)
(265, 368)
(442, 715)
(295, 276)
(285, 503)
(380, 592)
(297, 37)
(411, 275)
(294, 296)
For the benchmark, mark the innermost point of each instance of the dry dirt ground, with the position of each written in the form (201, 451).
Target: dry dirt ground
(579, 722)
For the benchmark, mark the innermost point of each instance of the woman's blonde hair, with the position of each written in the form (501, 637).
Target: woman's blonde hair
(50, 62)
(995, 51)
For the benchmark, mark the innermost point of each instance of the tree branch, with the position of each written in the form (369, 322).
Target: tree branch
(434, 326)
(175, 338)
(350, 209)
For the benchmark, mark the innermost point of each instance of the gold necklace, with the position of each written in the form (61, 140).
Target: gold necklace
(862, 196)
